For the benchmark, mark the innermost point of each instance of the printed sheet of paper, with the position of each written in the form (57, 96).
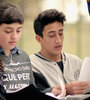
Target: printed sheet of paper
(57, 97)
(85, 70)
(62, 86)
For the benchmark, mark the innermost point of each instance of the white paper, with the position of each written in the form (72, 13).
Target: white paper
(62, 86)
(85, 70)
(70, 97)
(52, 95)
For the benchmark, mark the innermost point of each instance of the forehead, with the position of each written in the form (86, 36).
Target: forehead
(54, 24)
(53, 27)
(13, 25)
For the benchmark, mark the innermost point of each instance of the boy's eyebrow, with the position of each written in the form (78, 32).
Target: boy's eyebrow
(51, 31)
(20, 27)
(61, 29)
(55, 31)
(8, 27)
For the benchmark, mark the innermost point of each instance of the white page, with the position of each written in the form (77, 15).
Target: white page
(52, 95)
(62, 86)
(70, 97)
(85, 70)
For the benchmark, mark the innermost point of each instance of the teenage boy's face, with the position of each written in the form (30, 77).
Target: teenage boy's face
(52, 41)
(9, 35)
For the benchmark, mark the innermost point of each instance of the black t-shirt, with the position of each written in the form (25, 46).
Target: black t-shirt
(60, 64)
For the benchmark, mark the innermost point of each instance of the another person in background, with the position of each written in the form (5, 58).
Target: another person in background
(50, 62)
(16, 70)
(88, 4)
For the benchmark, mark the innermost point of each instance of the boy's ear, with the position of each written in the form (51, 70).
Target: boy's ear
(38, 38)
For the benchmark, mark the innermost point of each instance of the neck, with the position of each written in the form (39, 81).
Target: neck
(7, 52)
(54, 58)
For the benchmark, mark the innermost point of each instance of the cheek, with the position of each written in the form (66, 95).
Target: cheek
(49, 44)
(3, 41)
(61, 39)
(19, 36)
(3, 38)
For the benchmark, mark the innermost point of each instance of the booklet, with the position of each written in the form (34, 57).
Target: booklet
(85, 70)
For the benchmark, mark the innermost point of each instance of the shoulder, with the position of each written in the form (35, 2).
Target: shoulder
(23, 54)
(71, 57)
(32, 56)
(35, 56)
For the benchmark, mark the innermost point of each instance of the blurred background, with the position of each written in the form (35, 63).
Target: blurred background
(76, 28)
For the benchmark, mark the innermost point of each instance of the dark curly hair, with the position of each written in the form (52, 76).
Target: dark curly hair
(47, 17)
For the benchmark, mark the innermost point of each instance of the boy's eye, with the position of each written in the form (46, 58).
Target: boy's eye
(18, 31)
(8, 31)
(51, 35)
(60, 34)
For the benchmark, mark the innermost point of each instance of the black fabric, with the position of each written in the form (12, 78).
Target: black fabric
(28, 93)
(60, 64)
(40, 81)
(2, 93)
